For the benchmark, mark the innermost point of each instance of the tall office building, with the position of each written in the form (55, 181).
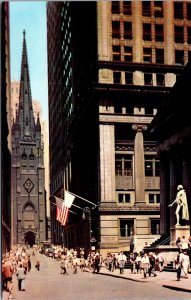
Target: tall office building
(5, 129)
(110, 64)
(29, 203)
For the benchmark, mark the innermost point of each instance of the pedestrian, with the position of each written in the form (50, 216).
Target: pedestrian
(29, 263)
(152, 264)
(74, 265)
(185, 264)
(37, 266)
(160, 261)
(7, 273)
(132, 262)
(96, 263)
(138, 263)
(178, 266)
(145, 264)
(82, 263)
(121, 261)
(21, 275)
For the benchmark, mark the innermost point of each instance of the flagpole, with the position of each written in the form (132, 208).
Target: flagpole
(82, 198)
(69, 209)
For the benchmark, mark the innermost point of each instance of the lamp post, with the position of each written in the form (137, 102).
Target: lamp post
(87, 210)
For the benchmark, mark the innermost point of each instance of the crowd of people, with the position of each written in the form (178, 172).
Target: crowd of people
(18, 262)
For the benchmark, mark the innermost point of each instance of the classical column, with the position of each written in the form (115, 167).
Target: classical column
(107, 162)
(173, 187)
(139, 164)
(164, 193)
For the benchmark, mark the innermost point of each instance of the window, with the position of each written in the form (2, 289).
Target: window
(189, 35)
(179, 57)
(117, 77)
(128, 30)
(189, 11)
(155, 226)
(158, 9)
(159, 34)
(154, 198)
(178, 10)
(148, 78)
(29, 216)
(115, 7)
(115, 29)
(159, 56)
(160, 79)
(146, 8)
(126, 228)
(147, 55)
(24, 155)
(128, 77)
(152, 166)
(189, 55)
(116, 53)
(146, 32)
(127, 10)
(179, 34)
(31, 155)
(124, 198)
(148, 110)
(123, 165)
(128, 56)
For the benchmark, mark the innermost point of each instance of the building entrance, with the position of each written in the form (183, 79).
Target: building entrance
(30, 238)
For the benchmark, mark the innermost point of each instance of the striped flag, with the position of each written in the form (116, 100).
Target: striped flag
(63, 207)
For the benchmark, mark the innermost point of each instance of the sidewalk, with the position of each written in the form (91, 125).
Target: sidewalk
(166, 279)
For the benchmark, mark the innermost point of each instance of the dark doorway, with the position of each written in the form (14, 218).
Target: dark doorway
(30, 238)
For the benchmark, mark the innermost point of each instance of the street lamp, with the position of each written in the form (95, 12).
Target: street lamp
(87, 210)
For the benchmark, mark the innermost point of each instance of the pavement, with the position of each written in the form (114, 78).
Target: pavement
(165, 279)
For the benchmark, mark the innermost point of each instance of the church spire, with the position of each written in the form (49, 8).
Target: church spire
(25, 115)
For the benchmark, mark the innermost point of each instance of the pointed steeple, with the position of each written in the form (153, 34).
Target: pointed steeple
(25, 116)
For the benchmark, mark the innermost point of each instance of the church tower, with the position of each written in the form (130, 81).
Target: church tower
(28, 179)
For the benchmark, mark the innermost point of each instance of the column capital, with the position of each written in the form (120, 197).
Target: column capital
(139, 127)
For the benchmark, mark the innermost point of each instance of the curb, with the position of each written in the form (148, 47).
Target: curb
(176, 288)
(142, 281)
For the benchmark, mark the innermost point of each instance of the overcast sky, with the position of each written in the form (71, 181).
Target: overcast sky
(31, 17)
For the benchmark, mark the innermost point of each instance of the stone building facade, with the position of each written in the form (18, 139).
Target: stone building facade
(28, 192)
(120, 60)
(171, 127)
(5, 128)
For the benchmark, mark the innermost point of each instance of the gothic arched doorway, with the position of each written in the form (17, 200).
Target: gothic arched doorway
(30, 238)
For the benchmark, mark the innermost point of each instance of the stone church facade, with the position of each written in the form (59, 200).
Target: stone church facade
(28, 179)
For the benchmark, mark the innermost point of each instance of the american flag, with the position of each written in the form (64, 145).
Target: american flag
(63, 207)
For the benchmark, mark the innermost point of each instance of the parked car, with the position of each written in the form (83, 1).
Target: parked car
(49, 252)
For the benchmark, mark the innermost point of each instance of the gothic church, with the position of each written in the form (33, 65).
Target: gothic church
(28, 193)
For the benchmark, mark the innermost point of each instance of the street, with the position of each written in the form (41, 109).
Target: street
(49, 284)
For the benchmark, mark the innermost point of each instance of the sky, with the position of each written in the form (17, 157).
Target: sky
(31, 17)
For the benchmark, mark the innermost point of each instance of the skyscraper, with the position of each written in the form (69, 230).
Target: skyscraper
(110, 64)
(5, 129)
(28, 193)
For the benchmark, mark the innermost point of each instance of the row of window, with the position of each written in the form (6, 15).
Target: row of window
(181, 10)
(31, 156)
(150, 55)
(150, 32)
(125, 198)
(127, 227)
(124, 165)
(148, 78)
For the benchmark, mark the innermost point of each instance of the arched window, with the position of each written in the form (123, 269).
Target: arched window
(24, 155)
(31, 155)
(29, 216)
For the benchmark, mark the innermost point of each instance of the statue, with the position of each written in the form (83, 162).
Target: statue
(181, 201)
